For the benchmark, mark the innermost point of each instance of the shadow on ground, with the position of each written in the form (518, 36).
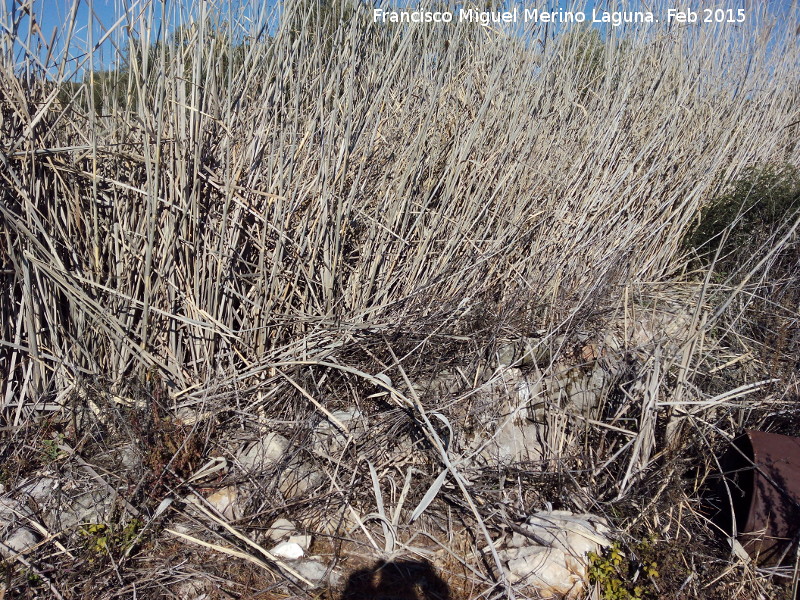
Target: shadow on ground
(396, 580)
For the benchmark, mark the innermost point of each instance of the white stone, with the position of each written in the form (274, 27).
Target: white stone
(129, 457)
(226, 501)
(553, 557)
(517, 442)
(297, 480)
(303, 540)
(312, 570)
(575, 534)
(544, 569)
(264, 454)
(21, 540)
(183, 528)
(93, 506)
(280, 529)
(582, 399)
(612, 343)
(329, 439)
(527, 351)
(192, 589)
(288, 550)
(11, 511)
(40, 489)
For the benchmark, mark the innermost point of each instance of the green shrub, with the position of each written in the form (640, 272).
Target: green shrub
(101, 539)
(621, 578)
(755, 205)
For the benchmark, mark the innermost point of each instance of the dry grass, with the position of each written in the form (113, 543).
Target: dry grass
(253, 221)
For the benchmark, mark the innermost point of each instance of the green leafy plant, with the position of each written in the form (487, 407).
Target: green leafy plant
(51, 448)
(621, 578)
(102, 539)
(33, 579)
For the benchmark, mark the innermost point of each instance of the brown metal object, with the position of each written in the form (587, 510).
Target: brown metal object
(762, 473)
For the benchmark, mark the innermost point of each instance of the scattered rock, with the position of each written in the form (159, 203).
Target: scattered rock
(21, 540)
(264, 454)
(190, 415)
(226, 501)
(578, 392)
(531, 393)
(128, 457)
(329, 439)
(528, 351)
(575, 534)
(544, 569)
(299, 479)
(11, 511)
(192, 589)
(40, 489)
(280, 529)
(516, 442)
(312, 570)
(556, 563)
(445, 384)
(303, 540)
(334, 523)
(71, 509)
(288, 550)
(183, 527)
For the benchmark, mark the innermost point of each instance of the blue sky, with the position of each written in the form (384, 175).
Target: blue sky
(103, 25)
(51, 16)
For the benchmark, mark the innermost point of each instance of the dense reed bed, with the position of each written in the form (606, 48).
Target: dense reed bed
(208, 206)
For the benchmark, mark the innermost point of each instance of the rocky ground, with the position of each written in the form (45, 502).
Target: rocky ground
(560, 465)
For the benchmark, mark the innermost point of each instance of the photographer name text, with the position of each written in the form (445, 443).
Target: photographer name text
(613, 18)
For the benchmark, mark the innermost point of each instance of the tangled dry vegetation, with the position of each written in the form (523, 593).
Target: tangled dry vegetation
(348, 274)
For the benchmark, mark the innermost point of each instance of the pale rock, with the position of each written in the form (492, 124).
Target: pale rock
(582, 399)
(226, 502)
(264, 454)
(552, 557)
(129, 457)
(528, 351)
(531, 394)
(288, 550)
(192, 589)
(92, 506)
(517, 442)
(598, 380)
(575, 534)
(530, 389)
(21, 540)
(537, 411)
(334, 523)
(297, 480)
(280, 529)
(612, 343)
(40, 489)
(329, 439)
(303, 540)
(312, 570)
(193, 414)
(446, 383)
(544, 569)
(11, 511)
(183, 528)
